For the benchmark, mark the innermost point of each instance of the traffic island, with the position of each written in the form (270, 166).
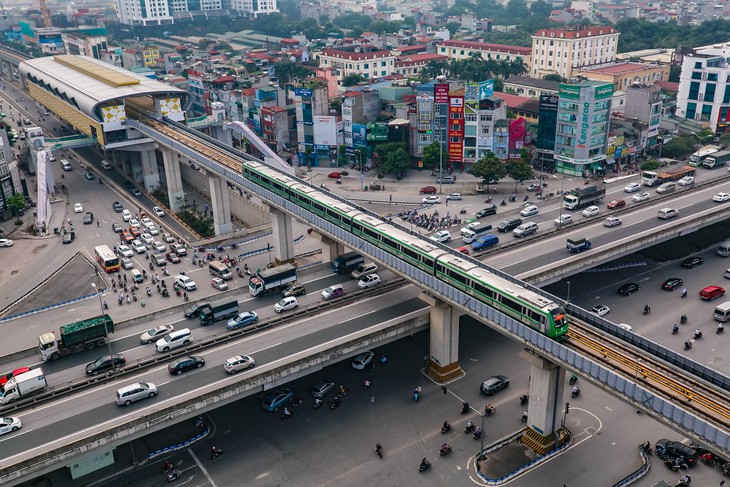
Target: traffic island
(512, 456)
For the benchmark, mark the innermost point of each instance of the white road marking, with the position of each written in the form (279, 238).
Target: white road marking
(202, 468)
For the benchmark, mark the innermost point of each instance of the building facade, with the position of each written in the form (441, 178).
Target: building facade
(370, 63)
(624, 74)
(144, 12)
(704, 87)
(499, 52)
(254, 8)
(564, 51)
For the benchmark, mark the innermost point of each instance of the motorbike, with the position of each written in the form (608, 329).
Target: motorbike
(683, 319)
(149, 292)
(240, 272)
(675, 329)
(379, 450)
(478, 434)
(489, 411)
(106, 306)
(524, 399)
(675, 464)
(445, 429)
(687, 345)
(684, 293)
(503, 203)
(215, 453)
(573, 379)
(575, 393)
(445, 450)
(152, 266)
(142, 302)
(720, 328)
(134, 297)
(287, 415)
(526, 198)
(698, 334)
(424, 466)
(415, 396)
(523, 418)
(334, 405)
(167, 468)
(513, 198)
(469, 428)
(488, 200)
(174, 475)
(645, 449)
(165, 293)
(465, 408)
(682, 483)
(318, 403)
(647, 310)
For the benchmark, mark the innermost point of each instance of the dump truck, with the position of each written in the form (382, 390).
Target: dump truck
(23, 385)
(75, 337)
(578, 246)
(651, 178)
(717, 159)
(583, 196)
(221, 309)
(267, 280)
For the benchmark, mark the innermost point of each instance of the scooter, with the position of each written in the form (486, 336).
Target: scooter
(287, 415)
(698, 334)
(683, 319)
(575, 393)
(424, 466)
(524, 399)
(573, 379)
(503, 203)
(523, 418)
(379, 450)
(415, 396)
(687, 345)
(720, 328)
(675, 329)
(215, 454)
(478, 434)
(174, 475)
(318, 403)
(445, 429)
(489, 411)
(445, 450)
(469, 428)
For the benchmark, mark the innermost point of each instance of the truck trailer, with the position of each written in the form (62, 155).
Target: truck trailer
(23, 385)
(580, 197)
(221, 309)
(271, 279)
(651, 178)
(702, 153)
(75, 337)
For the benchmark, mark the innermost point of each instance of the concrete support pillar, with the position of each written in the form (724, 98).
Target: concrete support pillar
(443, 360)
(331, 249)
(173, 180)
(281, 232)
(221, 135)
(221, 206)
(150, 173)
(545, 410)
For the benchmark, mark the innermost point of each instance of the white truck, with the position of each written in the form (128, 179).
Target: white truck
(23, 385)
(722, 312)
(696, 159)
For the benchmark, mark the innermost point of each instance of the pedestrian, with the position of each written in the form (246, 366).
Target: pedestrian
(443, 388)
(722, 483)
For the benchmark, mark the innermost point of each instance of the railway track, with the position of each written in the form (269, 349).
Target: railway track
(652, 373)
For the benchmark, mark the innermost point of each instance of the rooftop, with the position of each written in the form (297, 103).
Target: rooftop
(576, 33)
(622, 68)
(544, 84)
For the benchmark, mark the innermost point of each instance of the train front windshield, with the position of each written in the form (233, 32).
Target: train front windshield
(559, 317)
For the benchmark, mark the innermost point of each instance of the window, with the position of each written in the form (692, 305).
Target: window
(383, 64)
(706, 112)
(366, 66)
(691, 110)
(488, 117)
(455, 139)
(694, 90)
(485, 129)
(709, 92)
(471, 117)
(424, 138)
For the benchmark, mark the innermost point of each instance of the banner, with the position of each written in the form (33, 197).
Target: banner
(441, 93)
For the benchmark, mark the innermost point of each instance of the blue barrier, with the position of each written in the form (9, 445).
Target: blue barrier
(638, 473)
(179, 446)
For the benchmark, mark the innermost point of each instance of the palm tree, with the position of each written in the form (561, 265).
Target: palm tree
(518, 67)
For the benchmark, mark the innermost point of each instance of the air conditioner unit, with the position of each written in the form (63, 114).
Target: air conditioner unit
(700, 96)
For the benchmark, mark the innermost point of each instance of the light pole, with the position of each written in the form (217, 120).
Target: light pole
(481, 447)
(567, 298)
(97, 289)
(562, 200)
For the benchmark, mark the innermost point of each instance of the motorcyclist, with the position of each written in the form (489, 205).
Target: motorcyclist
(287, 413)
(524, 414)
(489, 409)
(720, 328)
(685, 479)
(647, 309)
(646, 446)
(469, 424)
(684, 292)
(446, 426)
(576, 391)
(445, 447)
(478, 432)
(688, 344)
(465, 408)
(698, 333)
(167, 466)
(424, 463)
(215, 451)
(336, 401)
(675, 328)
(317, 401)
(683, 318)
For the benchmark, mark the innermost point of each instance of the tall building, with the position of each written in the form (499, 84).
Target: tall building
(83, 44)
(582, 127)
(704, 89)
(644, 103)
(369, 62)
(312, 104)
(545, 144)
(254, 8)
(564, 51)
(144, 12)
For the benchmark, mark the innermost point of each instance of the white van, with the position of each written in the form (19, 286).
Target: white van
(219, 269)
(724, 249)
(667, 213)
(65, 165)
(134, 392)
(666, 188)
(137, 276)
(105, 164)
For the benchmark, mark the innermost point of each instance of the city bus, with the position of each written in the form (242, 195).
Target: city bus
(106, 258)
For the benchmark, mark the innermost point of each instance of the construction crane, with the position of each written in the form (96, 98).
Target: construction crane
(46, 14)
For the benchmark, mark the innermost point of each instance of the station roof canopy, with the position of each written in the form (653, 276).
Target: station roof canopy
(86, 82)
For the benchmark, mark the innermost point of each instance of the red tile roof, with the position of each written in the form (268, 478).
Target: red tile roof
(512, 101)
(667, 86)
(591, 31)
(621, 68)
(486, 46)
(416, 59)
(355, 56)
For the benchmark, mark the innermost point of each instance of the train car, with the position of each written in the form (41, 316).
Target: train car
(319, 203)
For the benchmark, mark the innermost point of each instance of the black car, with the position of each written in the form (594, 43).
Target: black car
(117, 206)
(159, 259)
(128, 185)
(183, 364)
(104, 363)
(672, 283)
(509, 225)
(490, 210)
(692, 262)
(88, 218)
(494, 384)
(293, 289)
(628, 289)
(675, 449)
(117, 228)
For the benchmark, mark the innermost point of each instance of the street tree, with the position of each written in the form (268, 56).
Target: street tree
(519, 171)
(432, 155)
(17, 204)
(489, 168)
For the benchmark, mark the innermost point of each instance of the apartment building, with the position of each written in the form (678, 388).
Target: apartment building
(564, 51)
(369, 62)
(499, 52)
(704, 87)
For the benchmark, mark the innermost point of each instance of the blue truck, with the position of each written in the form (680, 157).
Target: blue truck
(485, 241)
(578, 246)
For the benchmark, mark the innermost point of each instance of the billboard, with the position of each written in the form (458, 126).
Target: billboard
(548, 102)
(486, 89)
(471, 92)
(569, 91)
(302, 92)
(325, 130)
(456, 128)
(377, 131)
(441, 93)
(359, 135)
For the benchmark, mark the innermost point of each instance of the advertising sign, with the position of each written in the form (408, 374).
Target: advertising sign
(302, 92)
(603, 91)
(441, 93)
(325, 130)
(377, 131)
(456, 129)
(486, 89)
(471, 92)
(548, 102)
(359, 135)
(569, 91)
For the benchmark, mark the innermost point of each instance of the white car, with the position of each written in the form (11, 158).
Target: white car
(139, 247)
(369, 281)
(153, 230)
(168, 238)
(158, 246)
(563, 220)
(287, 303)
(146, 221)
(432, 200)
(601, 309)
(154, 334)
(686, 181)
(721, 197)
(185, 283)
(158, 211)
(625, 326)
(454, 197)
(6, 242)
(638, 198)
(531, 210)
(612, 221)
(632, 187)
(591, 211)
(442, 236)
(78, 208)
(362, 360)
(219, 284)
(147, 238)
(125, 251)
(127, 264)
(9, 424)
(126, 215)
(239, 362)
(134, 223)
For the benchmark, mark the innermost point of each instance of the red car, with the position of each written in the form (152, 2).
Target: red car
(616, 204)
(127, 237)
(10, 375)
(334, 175)
(428, 190)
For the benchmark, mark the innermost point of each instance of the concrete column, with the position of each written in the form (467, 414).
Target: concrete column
(281, 232)
(221, 206)
(331, 249)
(545, 410)
(443, 360)
(221, 134)
(150, 173)
(173, 180)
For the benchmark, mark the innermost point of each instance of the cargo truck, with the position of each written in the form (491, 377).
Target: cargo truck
(699, 157)
(717, 159)
(75, 337)
(583, 197)
(221, 309)
(271, 279)
(347, 262)
(473, 231)
(651, 178)
(195, 308)
(23, 385)
(578, 246)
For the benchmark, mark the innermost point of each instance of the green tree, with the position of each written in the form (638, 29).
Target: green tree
(541, 9)
(489, 168)
(432, 154)
(352, 79)
(519, 171)
(396, 162)
(679, 147)
(650, 165)
(16, 203)
(554, 77)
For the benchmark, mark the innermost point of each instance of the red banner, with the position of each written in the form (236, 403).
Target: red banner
(441, 93)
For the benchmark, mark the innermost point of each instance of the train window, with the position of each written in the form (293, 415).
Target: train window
(409, 252)
(510, 303)
(456, 276)
(278, 187)
(482, 289)
(534, 316)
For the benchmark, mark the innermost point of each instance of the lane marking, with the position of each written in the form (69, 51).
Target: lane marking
(202, 468)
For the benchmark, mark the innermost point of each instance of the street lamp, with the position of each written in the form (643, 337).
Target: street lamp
(567, 298)
(97, 290)
(562, 200)
(441, 154)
